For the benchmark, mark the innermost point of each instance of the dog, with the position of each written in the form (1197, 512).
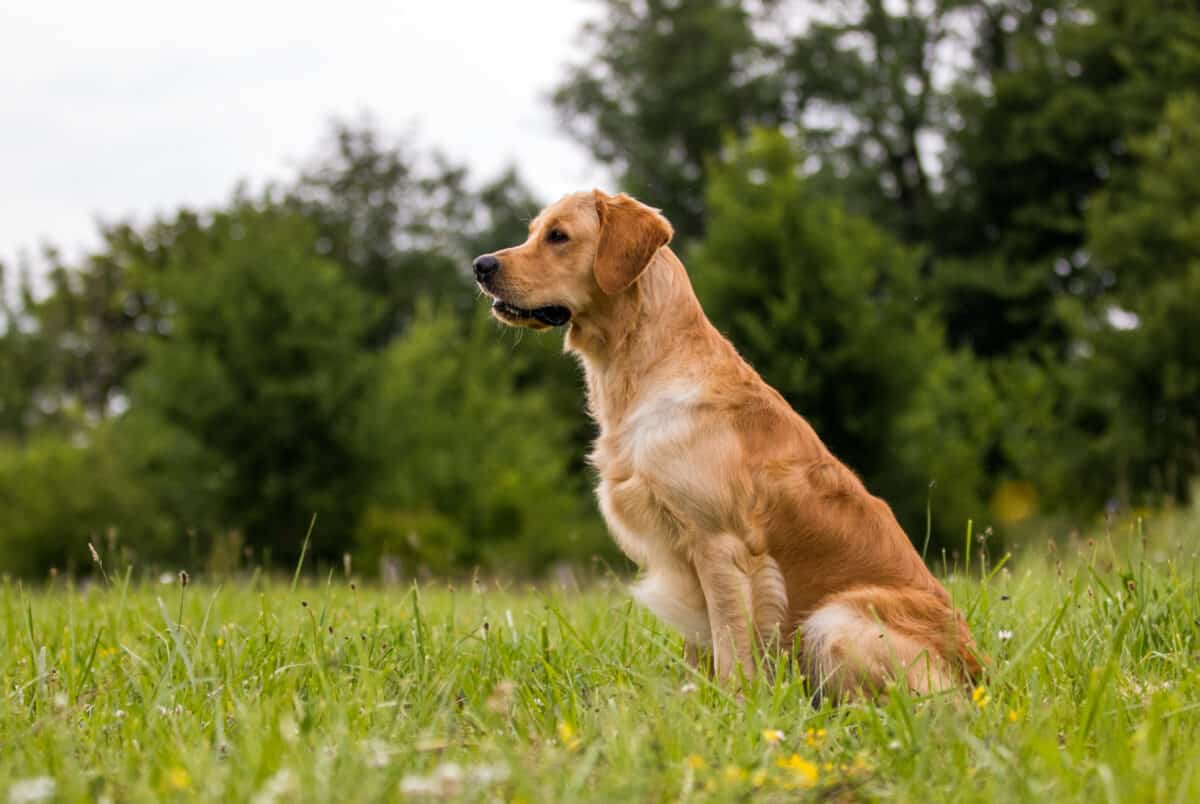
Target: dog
(748, 532)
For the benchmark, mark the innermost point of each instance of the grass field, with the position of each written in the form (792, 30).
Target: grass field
(252, 690)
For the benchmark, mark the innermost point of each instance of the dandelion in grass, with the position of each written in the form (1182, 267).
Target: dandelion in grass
(568, 737)
(772, 736)
(981, 697)
(696, 762)
(803, 772)
(734, 775)
(178, 779)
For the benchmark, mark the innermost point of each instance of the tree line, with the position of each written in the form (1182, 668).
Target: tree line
(962, 237)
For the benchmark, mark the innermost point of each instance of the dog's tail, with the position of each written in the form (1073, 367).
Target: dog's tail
(862, 639)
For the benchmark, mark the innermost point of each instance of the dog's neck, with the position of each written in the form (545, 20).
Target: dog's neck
(628, 337)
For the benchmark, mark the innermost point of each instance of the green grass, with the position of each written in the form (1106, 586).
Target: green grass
(251, 690)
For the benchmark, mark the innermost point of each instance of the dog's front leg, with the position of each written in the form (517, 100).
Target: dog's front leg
(722, 564)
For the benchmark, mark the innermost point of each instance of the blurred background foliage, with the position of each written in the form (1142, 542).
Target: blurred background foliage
(961, 236)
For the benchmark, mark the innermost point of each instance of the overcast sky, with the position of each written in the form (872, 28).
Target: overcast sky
(128, 107)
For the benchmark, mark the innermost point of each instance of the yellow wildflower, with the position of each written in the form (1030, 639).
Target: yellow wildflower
(696, 762)
(1013, 715)
(772, 736)
(804, 771)
(758, 777)
(566, 733)
(980, 697)
(814, 737)
(178, 779)
(733, 774)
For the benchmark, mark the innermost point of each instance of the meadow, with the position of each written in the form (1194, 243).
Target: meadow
(261, 688)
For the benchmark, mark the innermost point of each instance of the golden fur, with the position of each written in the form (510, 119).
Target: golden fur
(747, 529)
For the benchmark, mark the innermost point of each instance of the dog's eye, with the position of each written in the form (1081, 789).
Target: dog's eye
(557, 236)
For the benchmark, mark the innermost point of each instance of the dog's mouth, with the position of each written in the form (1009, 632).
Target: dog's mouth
(552, 315)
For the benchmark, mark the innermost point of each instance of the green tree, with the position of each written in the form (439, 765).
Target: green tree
(385, 214)
(1064, 89)
(873, 82)
(24, 360)
(58, 492)
(662, 83)
(1142, 376)
(476, 468)
(261, 376)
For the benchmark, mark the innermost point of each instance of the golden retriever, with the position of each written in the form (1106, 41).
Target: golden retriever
(748, 531)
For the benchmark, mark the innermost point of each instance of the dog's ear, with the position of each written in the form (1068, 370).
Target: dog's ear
(630, 234)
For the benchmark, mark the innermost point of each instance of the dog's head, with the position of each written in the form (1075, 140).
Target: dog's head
(583, 248)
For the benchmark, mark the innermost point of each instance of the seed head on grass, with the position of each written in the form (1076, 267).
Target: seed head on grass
(98, 562)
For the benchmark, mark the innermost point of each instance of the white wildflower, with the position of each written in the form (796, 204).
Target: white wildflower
(485, 775)
(27, 791)
(288, 729)
(282, 784)
(688, 687)
(449, 780)
(1005, 635)
(449, 776)
(413, 785)
(379, 753)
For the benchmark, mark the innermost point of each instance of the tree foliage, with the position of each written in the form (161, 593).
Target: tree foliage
(662, 84)
(960, 236)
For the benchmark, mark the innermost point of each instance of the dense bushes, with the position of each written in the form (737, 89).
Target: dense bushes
(977, 277)
(57, 493)
(474, 469)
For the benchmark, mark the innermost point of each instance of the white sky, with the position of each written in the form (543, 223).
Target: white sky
(125, 107)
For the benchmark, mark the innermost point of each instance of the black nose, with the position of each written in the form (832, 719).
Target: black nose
(485, 266)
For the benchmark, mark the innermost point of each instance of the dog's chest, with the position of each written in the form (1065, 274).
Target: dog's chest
(648, 473)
